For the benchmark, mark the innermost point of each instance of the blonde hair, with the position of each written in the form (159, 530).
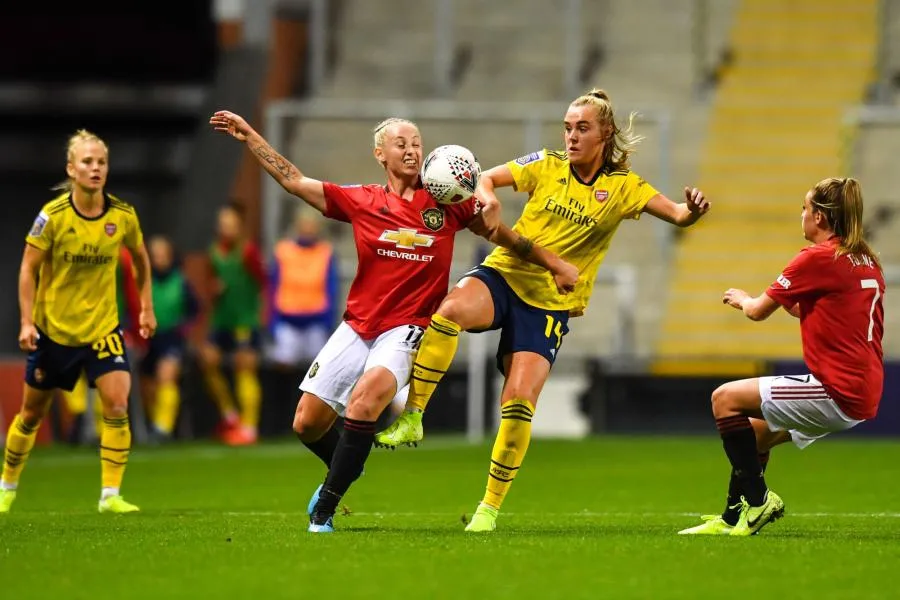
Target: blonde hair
(841, 201)
(619, 143)
(381, 129)
(79, 137)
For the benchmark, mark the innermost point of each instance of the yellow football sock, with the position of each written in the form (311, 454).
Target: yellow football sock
(432, 360)
(19, 442)
(115, 445)
(220, 392)
(509, 449)
(168, 399)
(249, 397)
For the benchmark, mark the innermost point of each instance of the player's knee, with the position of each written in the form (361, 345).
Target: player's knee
(454, 310)
(115, 407)
(722, 400)
(307, 430)
(32, 415)
(366, 404)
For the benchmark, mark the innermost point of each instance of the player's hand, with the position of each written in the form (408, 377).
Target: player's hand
(734, 297)
(147, 323)
(28, 337)
(696, 201)
(565, 276)
(490, 212)
(232, 124)
(576, 312)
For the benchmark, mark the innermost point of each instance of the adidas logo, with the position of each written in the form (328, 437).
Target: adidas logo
(119, 360)
(562, 180)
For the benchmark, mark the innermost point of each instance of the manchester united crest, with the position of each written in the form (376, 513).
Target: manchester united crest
(433, 218)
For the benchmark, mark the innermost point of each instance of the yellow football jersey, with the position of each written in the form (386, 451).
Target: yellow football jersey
(574, 219)
(76, 295)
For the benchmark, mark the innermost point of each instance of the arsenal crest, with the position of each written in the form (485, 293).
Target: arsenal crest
(110, 229)
(601, 195)
(433, 218)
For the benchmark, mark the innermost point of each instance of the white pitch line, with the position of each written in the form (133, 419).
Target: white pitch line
(583, 514)
(456, 515)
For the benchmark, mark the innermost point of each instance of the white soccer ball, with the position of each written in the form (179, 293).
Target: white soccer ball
(450, 174)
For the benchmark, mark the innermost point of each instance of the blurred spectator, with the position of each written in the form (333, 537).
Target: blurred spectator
(176, 307)
(303, 284)
(238, 283)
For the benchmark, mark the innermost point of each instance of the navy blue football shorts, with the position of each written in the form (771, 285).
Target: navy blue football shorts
(523, 328)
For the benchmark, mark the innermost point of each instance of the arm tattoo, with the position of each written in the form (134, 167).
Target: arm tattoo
(522, 246)
(276, 164)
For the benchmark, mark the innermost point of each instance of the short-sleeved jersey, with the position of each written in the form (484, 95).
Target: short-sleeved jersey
(404, 249)
(841, 322)
(76, 295)
(574, 219)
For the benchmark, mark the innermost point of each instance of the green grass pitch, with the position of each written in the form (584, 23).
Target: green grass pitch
(585, 519)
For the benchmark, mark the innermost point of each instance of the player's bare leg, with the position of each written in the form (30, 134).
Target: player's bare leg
(468, 306)
(526, 374)
(371, 395)
(115, 440)
(20, 441)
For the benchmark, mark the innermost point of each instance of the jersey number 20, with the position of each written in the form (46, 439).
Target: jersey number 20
(110, 345)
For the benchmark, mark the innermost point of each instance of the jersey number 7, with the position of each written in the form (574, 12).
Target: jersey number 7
(871, 284)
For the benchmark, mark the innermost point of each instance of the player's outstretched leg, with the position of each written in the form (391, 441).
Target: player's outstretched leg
(436, 351)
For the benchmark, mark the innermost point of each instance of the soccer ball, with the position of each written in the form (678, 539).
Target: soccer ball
(450, 174)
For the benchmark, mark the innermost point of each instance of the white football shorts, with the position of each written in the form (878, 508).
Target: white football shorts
(346, 356)
(800, 405)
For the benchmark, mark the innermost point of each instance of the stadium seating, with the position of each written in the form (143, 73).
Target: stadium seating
(775, 129)
(640, 71)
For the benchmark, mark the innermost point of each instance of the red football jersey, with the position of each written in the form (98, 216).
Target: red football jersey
(841, 323)
(404, 250)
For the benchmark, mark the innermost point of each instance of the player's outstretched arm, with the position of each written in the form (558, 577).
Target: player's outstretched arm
(756, 309)
(499, 176)
(284, 171)
(28, 274)
(565, 275)
(683, 215)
